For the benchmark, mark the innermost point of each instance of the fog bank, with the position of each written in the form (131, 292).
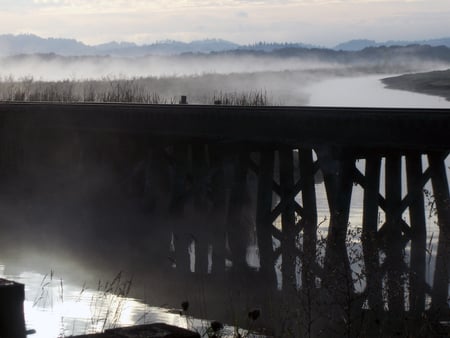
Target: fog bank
(50, 67)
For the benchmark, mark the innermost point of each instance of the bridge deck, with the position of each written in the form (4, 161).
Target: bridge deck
(306, 126)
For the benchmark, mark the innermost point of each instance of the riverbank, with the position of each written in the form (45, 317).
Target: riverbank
(432, 83)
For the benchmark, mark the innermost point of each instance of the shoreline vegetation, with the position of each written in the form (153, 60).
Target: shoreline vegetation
(435, 83)
(147, 90)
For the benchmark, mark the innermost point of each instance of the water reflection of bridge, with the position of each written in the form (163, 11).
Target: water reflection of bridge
(221, 174)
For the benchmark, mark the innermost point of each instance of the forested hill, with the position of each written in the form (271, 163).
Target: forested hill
(382, 56)
(392, 54)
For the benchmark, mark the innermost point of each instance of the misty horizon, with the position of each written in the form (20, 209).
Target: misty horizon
(29, 43)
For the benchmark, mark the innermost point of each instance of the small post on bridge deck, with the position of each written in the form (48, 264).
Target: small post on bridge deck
(183, 99)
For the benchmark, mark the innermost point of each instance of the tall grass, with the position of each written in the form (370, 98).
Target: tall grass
(252, 98)
(149, 90)
(106, 303)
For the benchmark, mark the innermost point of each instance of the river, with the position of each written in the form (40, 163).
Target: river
(56, 307)
(368, 91)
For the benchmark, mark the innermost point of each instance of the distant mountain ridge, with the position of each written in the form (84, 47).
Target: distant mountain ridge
(168, 47)
(360, 44)
(33, 44)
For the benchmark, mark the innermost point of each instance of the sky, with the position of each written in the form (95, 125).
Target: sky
(319, 22)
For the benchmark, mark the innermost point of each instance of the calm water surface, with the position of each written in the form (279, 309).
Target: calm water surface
(368, 91)
(56, 308)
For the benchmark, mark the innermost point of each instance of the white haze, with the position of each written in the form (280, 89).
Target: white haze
(50, 67)
(55, 68)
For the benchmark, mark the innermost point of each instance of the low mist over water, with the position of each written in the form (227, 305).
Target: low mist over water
(50, 67)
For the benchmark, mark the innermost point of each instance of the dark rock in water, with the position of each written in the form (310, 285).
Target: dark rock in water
(12, 320)
(216, 326)
(185, 306)
(254, 315)
(148, 331)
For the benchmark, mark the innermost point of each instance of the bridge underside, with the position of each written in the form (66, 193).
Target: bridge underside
(322, 237)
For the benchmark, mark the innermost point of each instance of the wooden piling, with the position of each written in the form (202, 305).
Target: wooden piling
(199, 170)
(418, 234)
(176, 208)
(180, 156)
(369, 233)
(309, 219)
(439, 180)
(217, 214)
(236, 227)
(263, 210)
(338, 185)
(198, 189)
(288, 231)
(393, 240)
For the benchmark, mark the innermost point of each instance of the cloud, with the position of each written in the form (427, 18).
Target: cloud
(242, 14)
(190, 3)
(48, 2)
(100, 6)
(324, 22)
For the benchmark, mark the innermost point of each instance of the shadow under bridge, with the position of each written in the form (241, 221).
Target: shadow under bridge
(241, 190)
